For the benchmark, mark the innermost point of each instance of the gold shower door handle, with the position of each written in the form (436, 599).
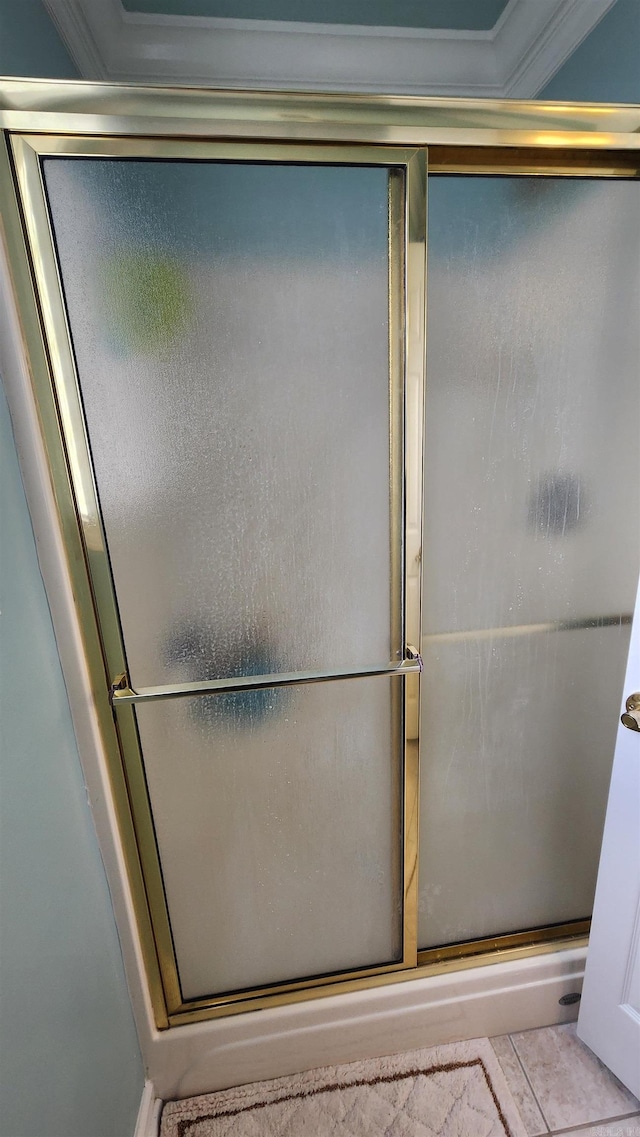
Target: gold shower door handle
(632, 718)
(122, 692)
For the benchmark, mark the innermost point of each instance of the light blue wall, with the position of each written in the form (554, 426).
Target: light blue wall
(29, 43)
(606, 66)
(70, 1064)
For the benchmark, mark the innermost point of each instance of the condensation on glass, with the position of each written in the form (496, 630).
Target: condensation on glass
(531, 459)
(230, 323)
(230, 326)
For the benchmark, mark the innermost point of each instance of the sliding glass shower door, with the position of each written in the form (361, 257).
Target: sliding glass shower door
(248, 459)
(237, 329)
(532, 543)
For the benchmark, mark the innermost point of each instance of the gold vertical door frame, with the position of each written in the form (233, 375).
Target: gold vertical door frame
(407, 245)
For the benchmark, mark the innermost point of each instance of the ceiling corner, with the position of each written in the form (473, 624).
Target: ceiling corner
(75, 31)
(549, 43)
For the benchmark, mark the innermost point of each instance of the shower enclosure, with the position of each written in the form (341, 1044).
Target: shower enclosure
(356, 641)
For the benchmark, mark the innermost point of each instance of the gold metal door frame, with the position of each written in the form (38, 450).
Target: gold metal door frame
(464, 136)
(407, 240)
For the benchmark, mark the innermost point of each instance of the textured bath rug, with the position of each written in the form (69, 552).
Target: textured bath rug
(457, 1090)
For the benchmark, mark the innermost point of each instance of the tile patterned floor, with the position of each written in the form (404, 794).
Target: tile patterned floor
(561, 1087)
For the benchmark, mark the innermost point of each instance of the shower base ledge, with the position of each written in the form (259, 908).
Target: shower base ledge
(496, 998)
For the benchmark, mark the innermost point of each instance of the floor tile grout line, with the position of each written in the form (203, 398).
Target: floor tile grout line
(566, 1128)
(527, 1080)
(586, 1125)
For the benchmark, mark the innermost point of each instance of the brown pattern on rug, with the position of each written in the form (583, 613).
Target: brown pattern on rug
(336, 1101)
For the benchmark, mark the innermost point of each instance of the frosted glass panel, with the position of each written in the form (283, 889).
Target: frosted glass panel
(278, 823)
(230, 323)
(532, 469)
(518, 743)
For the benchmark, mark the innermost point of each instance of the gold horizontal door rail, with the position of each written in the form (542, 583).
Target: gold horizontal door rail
(518, 941)
(123, 692)
(509, 630)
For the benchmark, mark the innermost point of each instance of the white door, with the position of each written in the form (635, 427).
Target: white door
(609, 1020)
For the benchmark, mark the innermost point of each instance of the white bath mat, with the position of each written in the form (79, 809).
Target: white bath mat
(457, 1090)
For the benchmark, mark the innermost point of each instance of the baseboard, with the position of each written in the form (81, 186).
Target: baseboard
(148, 1122)
(484, 1000)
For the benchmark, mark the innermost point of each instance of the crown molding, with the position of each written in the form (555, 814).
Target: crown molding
(75, 31)
(526, 73)
(528, 44)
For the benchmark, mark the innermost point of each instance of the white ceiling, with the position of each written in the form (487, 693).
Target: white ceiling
(513, 59)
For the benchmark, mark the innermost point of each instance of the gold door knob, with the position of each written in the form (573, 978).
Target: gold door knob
(632, 717)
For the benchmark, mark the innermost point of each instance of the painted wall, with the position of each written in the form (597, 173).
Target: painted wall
(29, 43)
(606, 66)
(70, 1064)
